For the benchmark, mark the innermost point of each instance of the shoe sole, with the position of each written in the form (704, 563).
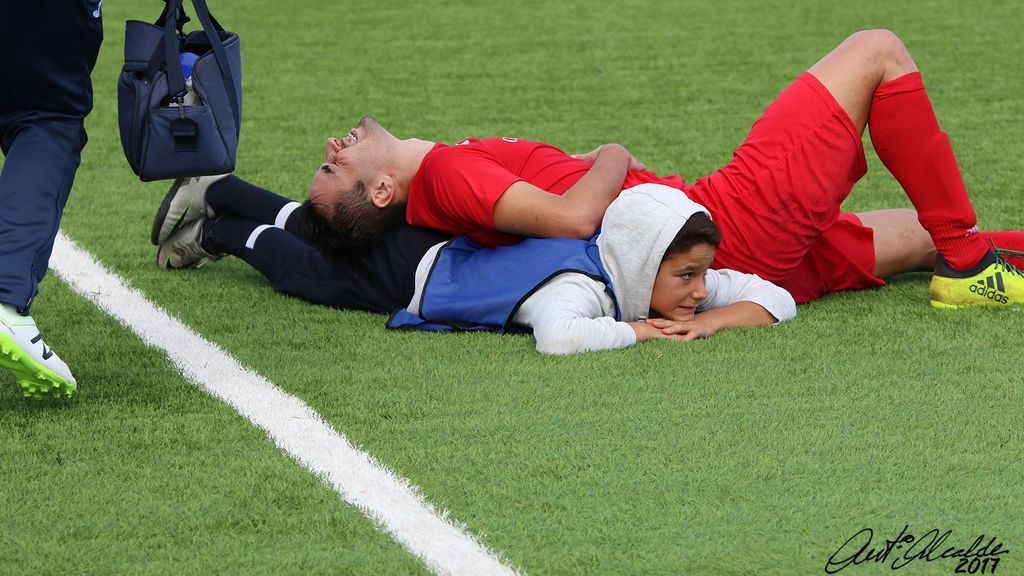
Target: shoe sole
(35, 380)
(161, 214)
(943, 306)
(167, 266)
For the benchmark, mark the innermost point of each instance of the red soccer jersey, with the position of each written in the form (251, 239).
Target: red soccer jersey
(456, 187)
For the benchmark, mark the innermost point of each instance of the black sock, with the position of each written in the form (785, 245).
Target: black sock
(233, 196)
(227, 235)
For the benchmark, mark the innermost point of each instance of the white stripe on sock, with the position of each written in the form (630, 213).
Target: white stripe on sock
(286, 211)
(391, 501)
(256, 234)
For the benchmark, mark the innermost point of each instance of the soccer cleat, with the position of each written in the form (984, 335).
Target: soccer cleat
(993, 282)
(38, 370)
(184, 249)
(184, 203)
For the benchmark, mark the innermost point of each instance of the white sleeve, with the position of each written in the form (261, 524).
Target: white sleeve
(729, 286)
(572, 313)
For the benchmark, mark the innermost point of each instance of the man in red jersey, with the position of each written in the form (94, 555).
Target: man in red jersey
(777, 202)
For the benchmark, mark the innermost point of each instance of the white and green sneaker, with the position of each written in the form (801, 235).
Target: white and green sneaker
(38, 370)
(185, 202)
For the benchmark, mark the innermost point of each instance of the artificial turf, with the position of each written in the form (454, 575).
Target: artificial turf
(754, 452)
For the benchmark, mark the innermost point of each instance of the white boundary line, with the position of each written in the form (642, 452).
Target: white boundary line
(391, 501)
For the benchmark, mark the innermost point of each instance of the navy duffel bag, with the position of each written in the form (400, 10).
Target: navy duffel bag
(171, 128)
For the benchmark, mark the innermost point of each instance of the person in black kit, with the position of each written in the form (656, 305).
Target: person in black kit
(203, 218)
(47, 52)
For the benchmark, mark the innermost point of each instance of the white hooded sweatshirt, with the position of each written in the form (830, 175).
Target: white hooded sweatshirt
(574, 313)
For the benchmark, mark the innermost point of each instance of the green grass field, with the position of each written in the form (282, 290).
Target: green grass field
(755, 452)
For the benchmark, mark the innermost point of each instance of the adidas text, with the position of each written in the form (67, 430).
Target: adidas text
(991, 294)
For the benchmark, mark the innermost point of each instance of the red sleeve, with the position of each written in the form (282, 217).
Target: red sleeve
(460, 186)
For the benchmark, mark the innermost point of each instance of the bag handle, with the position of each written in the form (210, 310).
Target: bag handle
(212, 27)
(159, 56)
(167, 51)
(175, 76)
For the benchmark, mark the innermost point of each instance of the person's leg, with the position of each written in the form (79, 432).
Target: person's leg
(783, 188)
(41, 155)
(235, 197)
(861, 250)
(876, 81)
(841, 258)
(47, 51)
(873, 78)
(261, 228)
(42, 152)
(1008, 243)
(379, 280)
(903, 245)
(190, 199)
(853, 70)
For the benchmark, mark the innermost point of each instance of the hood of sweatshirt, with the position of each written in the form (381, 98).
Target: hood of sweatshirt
(637, 229)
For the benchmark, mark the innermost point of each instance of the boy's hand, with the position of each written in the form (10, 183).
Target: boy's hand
(634, 164)
(685, 330)
(647, 331)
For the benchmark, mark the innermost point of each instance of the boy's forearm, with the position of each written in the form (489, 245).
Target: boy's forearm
(645, 331)
(737, 315)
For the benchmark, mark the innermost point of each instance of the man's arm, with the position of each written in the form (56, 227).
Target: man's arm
(527, 210)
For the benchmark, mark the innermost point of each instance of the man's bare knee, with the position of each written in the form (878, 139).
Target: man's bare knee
(884, 49)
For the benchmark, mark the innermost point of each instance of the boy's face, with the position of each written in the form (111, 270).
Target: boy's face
(679, 285)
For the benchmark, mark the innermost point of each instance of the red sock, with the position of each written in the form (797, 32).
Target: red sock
(908, 140)
(1008, 240)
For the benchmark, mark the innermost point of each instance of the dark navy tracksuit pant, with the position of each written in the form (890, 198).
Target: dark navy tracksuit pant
(47, 52)
(381, 279)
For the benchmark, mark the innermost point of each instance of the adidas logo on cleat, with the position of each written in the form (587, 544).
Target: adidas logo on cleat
(991, 287)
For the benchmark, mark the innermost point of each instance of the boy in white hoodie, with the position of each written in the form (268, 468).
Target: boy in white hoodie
(645, 275)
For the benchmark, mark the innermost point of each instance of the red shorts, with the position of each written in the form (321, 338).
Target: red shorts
(777, 202)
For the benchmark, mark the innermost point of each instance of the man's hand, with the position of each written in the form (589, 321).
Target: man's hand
(634, 164)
